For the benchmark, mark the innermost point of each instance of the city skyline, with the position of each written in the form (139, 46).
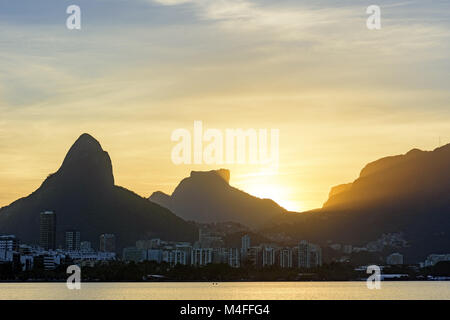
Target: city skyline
(305, 255)
(267, 258)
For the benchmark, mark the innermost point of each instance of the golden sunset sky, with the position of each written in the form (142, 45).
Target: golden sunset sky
(340, 94)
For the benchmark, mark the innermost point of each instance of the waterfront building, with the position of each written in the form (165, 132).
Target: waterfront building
(107, 242)
(9, 243)
(268, 256)
(285, 258)
(309, 255)
(201, 256)
(73, 240)
(245, 244)
(47, 230)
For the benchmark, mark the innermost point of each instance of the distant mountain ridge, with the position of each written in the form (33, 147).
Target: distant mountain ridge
(83, 194)
(414, 175)
(408, 194)
(206, 196)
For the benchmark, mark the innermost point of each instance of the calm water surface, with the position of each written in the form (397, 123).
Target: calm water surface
(229, 290)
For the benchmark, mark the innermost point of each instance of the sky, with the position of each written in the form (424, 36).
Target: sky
(340, 95)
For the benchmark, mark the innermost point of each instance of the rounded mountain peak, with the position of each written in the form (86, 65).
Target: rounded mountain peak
(86, 142)
(86, 160)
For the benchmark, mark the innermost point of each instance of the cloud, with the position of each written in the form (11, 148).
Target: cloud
(406, 25)
(247, 15)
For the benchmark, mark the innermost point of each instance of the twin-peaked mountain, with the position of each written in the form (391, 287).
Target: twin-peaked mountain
(206, 196)
(83, 194)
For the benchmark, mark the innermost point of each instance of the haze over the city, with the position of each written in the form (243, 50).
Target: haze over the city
(341, 95)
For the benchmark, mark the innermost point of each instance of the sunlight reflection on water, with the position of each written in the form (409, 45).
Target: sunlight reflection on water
(227, 290)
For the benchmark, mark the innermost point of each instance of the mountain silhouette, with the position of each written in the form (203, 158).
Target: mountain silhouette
(414, 177)
(408, 194)
(206, 196)
(83, 194)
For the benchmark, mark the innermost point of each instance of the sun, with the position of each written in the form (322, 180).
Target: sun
(277, 193)
(270, 184)
(267, 187)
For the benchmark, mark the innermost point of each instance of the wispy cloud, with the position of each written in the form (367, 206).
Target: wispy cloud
(331, 26)
(242, 15)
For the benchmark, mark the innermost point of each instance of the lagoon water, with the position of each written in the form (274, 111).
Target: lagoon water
(227, 290)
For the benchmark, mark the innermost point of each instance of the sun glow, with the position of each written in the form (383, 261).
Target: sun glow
(278, 193)
(263, 186)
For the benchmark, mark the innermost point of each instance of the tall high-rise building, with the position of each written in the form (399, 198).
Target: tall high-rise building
(107, 242)
(245, 244)
(286, 258)
(47, 230)
(254, 255)
(232, 257)
(268, 256)
(73, 240)
(303, 254)
(309, 255)
(315, 256)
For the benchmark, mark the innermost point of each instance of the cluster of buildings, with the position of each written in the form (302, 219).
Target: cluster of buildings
(392, 240)
(209, 249)
(386, 240)
(389, 240)
(433, 259)
(47, 255)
